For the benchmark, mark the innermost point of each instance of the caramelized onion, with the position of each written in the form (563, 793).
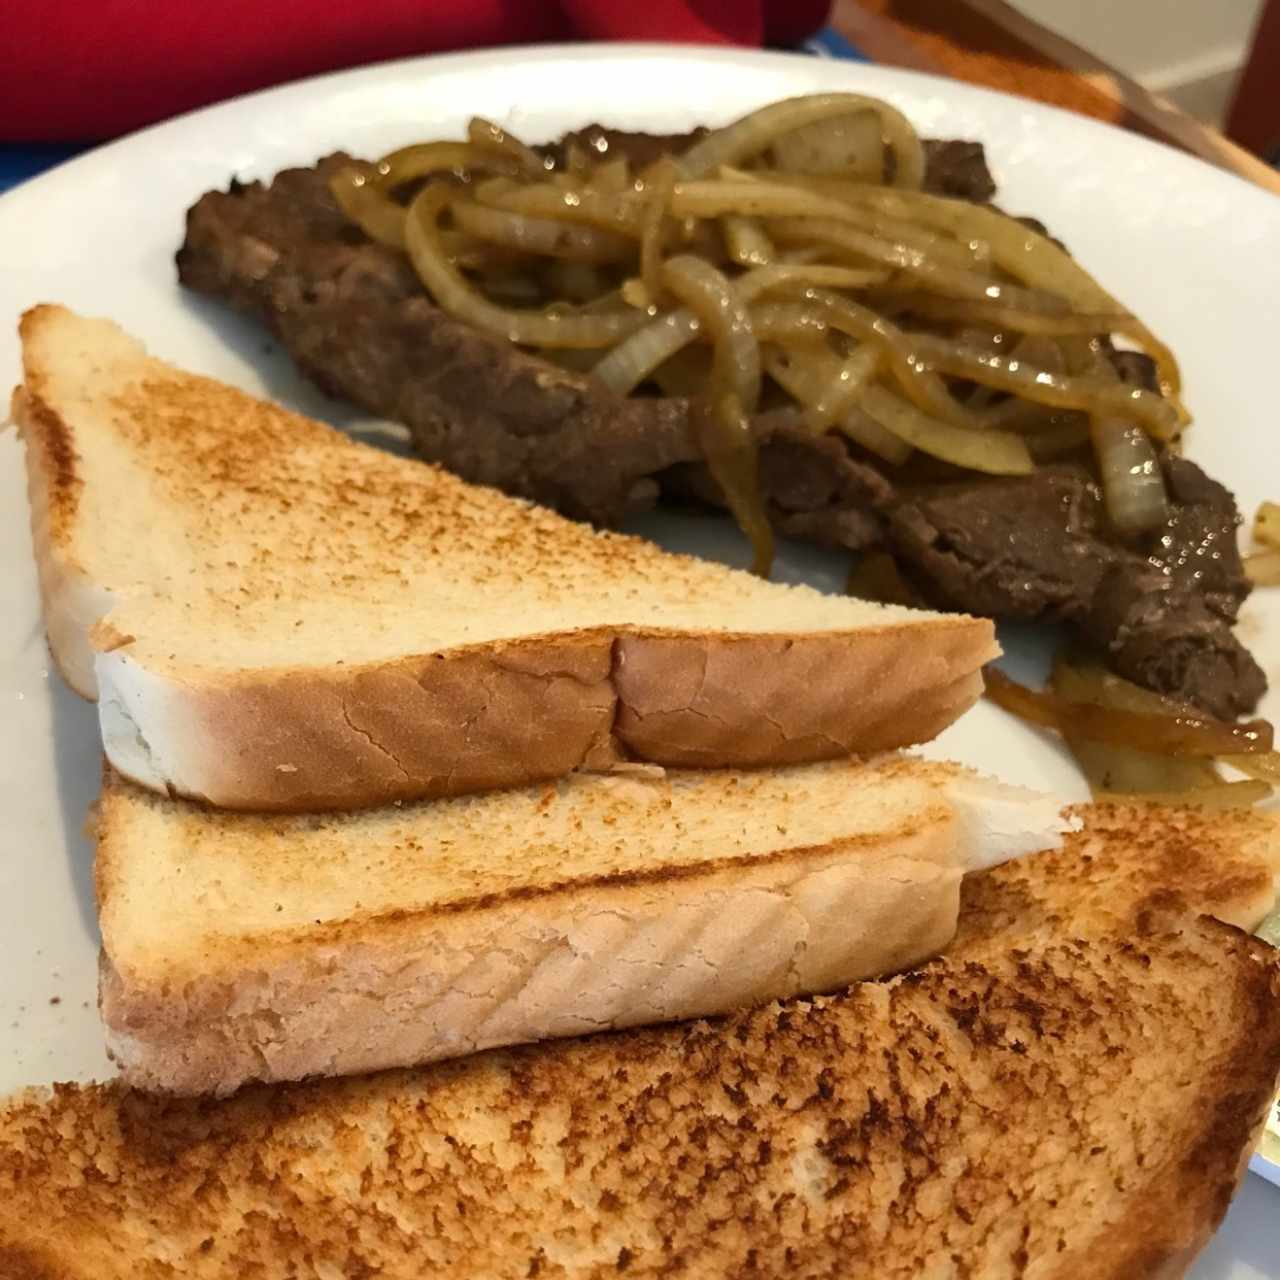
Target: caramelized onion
(1065, 433)
(795, 276)
(905, 321)
(1264, 766)
(715, 197)
(919, 382)
(368, 206)
(843, 386)
(724, 437)
(804, 255)
(962, 252)
(997, 453)
(427, 159)
(1185, 734)
(876, 577)
(622, 212)
(926, 272)
(686, 374)
(547, 236)
(363, 191)
(745, 242)
(1263, 568)
(790, 324)
(851, 145)
(825, 385)
(1115, 770)
(447, 286)
(754, 133)
(709, 294)
(1001, 315)
(1026, 255)
(1063, 391)
(1132, 481)
(612, 177)
(632, 361)
(1266, 524)
(1217, 795)
(657, 201)
(863, 429)
(489, 136)
(972, 254)
(577, 281)
(722, 424)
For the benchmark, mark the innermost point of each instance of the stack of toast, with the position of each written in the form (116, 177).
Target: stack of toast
(399, 769)
(419, 769)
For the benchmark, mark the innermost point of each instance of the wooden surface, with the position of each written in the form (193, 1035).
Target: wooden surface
(990, 43)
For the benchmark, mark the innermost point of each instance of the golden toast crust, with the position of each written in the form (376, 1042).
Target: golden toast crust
(1060, 1096)
(1009, 1114)
(438, 929)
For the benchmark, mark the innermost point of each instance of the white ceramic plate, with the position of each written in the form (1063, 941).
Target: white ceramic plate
(1192, 249)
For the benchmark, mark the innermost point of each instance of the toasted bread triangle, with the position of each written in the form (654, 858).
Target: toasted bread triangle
(290, 946)
(274, 616)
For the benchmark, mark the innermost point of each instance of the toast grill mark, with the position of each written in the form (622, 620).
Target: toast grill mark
(708, 868)
(57, 454)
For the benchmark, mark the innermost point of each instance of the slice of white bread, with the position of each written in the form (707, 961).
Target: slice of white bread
(1134, 861)
(274, 616)
(1070, 1092)
(242, 947)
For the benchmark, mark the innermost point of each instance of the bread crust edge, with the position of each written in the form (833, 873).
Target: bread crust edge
(479, 719)
(70, 601)
(476, 718)
(389, 992)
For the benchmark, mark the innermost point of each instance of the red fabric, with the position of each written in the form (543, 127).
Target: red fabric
(87, 69)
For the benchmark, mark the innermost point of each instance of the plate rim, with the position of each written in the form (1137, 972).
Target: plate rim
(633, 51)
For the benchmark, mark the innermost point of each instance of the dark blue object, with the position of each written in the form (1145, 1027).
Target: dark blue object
(829, 43)
(20, 161)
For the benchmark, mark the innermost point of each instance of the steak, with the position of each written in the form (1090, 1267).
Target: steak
(1036, 548)
(957, 168)
(355, 319)
(358, 323)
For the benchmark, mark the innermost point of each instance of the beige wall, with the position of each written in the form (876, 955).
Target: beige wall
(1187, 49)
